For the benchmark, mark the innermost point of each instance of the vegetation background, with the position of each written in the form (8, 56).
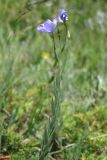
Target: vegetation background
(26, 59)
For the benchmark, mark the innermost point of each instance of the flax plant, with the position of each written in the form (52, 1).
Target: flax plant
(50, 138)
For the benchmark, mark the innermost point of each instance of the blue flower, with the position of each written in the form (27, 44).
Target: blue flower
(62, 16)
(48, 26)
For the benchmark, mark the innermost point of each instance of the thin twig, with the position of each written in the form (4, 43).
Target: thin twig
(65, 147)
(71, 145)
(28, 7)
(5, 111)
(5, 157)
(100, 136)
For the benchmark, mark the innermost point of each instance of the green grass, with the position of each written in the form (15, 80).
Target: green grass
(26, 60)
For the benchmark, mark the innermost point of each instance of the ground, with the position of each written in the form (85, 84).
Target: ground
(26, 61)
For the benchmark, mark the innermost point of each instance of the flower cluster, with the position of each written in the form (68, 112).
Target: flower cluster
(50, 25)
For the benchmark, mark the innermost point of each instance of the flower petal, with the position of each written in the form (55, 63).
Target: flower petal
(55, 21)
(41, 28)
(63, 15)
(48, 26)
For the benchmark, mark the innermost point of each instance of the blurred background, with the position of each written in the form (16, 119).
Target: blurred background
(26, 60)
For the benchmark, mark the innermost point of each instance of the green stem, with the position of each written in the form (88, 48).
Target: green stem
(59, 37)
(50, 135)
(66, 30)
(55, 53)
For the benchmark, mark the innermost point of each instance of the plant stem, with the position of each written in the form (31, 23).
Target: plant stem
(55, 53)
(66, 30)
